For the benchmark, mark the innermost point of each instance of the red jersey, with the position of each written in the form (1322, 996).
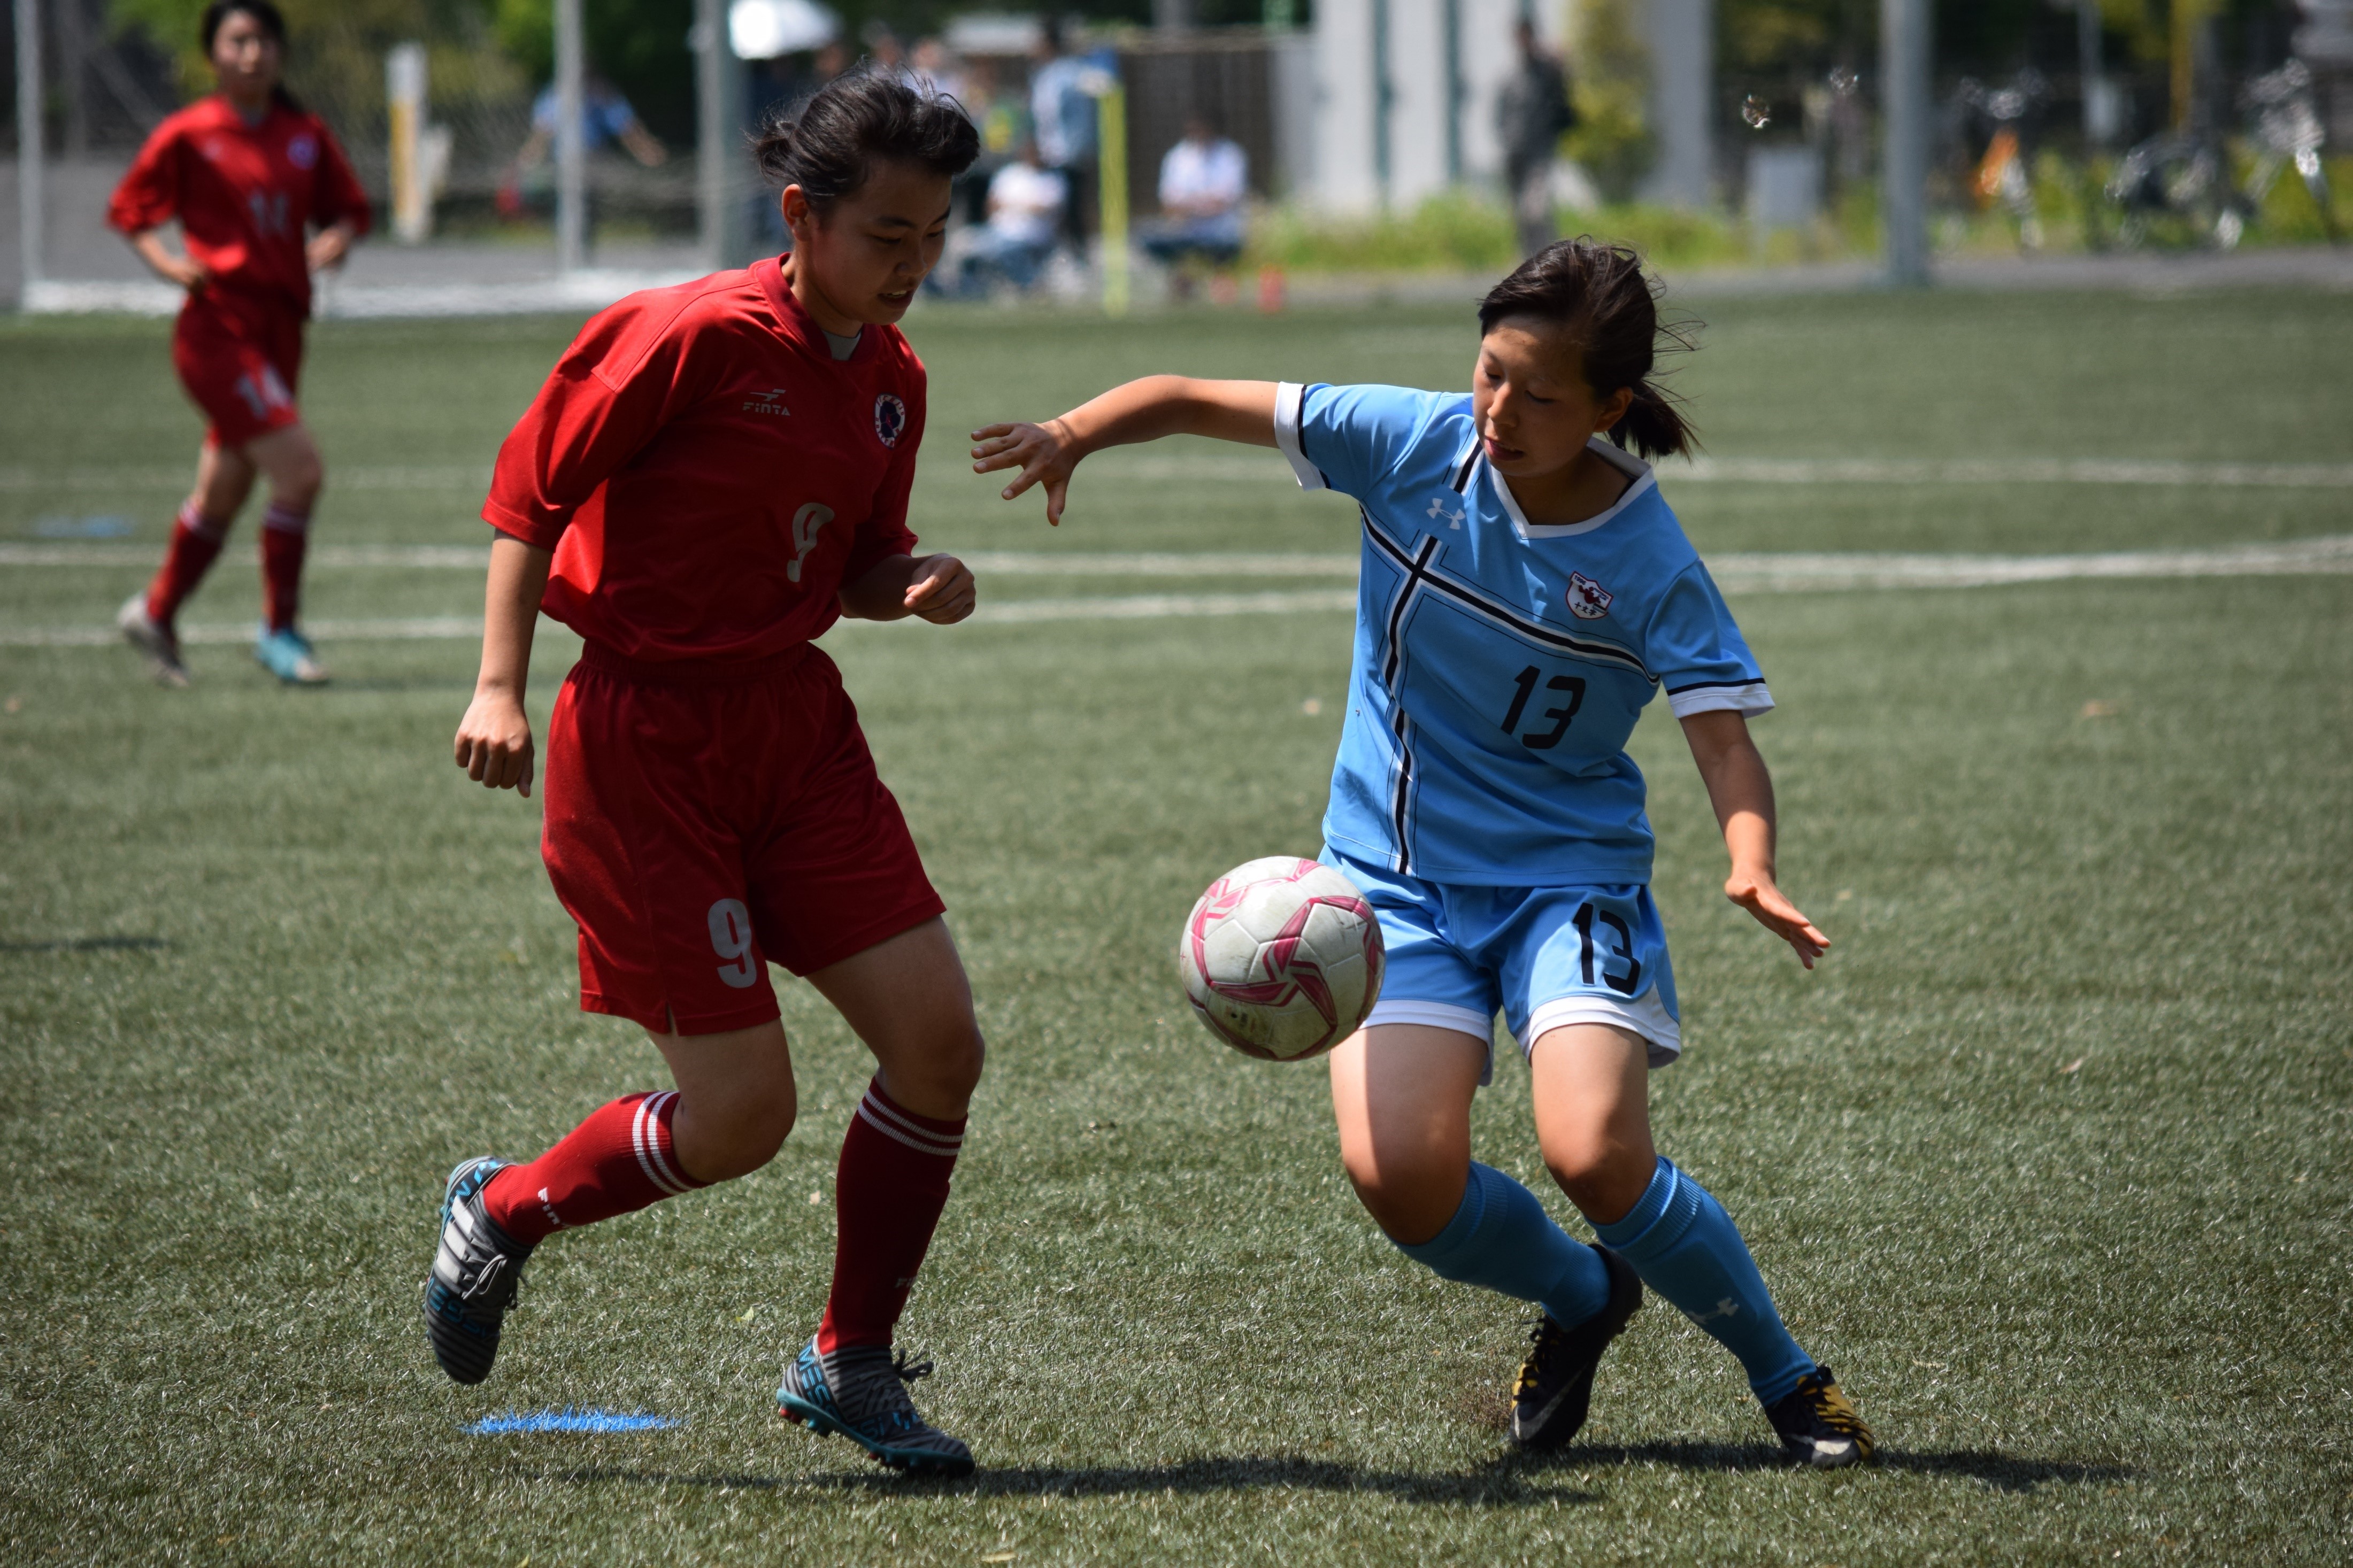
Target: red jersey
(708, 475)
(244, 194)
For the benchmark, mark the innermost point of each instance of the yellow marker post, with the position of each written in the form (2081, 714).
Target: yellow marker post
(1111, 139)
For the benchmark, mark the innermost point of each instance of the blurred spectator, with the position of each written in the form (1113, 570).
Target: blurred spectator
(889, 55)
(999, 118)
(1026, 201)
(935, 71)
(1203, 181)
(605, 118)
(1531, 115)
(1062, 118)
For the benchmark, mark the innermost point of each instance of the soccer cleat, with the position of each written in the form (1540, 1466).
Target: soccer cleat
(287, 654)
(475, 1273)
(860, 1391)
(1817, 1425)
(152, 638)
(1556, 1383)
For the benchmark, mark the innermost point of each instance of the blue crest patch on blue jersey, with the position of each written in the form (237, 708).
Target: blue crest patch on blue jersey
(889, 419)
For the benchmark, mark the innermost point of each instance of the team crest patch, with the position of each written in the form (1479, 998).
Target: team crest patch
(889, 419)
(1587, 600)
(302, 152)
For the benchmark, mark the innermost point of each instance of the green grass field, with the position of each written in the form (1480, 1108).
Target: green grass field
(2049, 1160)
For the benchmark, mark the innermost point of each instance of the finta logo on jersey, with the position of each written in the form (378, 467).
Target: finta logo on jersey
(1587, 600)
(769, 401)
(889, 419)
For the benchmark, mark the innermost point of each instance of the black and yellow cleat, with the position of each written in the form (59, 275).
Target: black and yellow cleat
(1818, 1425)
(1555, 1388)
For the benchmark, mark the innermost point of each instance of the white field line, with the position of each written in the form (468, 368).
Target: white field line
(462, 479)
(1741, 574)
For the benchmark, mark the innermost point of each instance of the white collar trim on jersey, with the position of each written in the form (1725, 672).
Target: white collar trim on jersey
(1473, 461)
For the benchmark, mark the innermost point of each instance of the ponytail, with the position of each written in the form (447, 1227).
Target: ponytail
(1609, 307)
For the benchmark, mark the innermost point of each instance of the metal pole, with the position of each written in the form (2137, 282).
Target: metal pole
(1382, 95)
(571, 145)
(29, 166)
(1903, 34)
(2087, 60)
(1110, 143)
(712, 57)
(1452, 21)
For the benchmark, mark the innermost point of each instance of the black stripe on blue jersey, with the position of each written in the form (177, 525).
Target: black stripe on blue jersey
(1416, 568)
(1714, 686)
(1418, 574)
(1462, 481)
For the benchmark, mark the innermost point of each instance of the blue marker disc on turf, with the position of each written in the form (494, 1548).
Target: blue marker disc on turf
(569, 1420)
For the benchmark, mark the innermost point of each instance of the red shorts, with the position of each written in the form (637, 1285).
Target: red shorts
(703, 821)
(240, 362)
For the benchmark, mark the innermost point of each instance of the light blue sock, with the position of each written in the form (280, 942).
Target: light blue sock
(1501, 1238)
(1685, 1247)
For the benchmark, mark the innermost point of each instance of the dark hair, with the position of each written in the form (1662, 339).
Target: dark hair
(1600, 296)
(829, 145)
(265, 14)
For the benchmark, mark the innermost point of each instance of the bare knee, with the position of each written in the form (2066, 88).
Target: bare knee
(1410, 1195)
(1604, 1176)
(717, 1142)
(938, 1079)
(297, 481)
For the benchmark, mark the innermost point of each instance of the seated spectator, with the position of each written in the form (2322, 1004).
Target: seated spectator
(1025, 215)
(1203, 181)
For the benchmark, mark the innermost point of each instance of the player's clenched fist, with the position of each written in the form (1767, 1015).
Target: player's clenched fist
(944, 592)
(494, 743)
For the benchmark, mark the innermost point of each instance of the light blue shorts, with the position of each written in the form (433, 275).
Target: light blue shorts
(1541, 956)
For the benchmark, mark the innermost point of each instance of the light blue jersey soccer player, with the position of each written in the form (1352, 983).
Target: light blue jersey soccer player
(1525, 593)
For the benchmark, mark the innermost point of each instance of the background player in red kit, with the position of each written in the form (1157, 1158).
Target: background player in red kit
(714, 473)
(248, 173)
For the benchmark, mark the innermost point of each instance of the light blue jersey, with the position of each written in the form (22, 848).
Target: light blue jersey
(1500, 664)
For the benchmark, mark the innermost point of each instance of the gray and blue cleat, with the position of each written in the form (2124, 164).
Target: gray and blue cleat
(475, 1272)
(860, 1392)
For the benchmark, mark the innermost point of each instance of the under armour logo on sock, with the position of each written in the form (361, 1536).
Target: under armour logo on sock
(1726, 1308)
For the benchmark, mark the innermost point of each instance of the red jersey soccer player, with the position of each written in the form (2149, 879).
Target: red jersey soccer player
(248, 172)
(714, 473)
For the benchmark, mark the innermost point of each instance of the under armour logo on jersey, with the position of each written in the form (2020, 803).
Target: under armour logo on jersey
(769, 401)
(889, 419)
(806, 523)
(1587, 600)
(1439, 508)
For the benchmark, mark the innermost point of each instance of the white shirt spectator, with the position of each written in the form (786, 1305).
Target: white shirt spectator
(1201, 179)
(1024, 204)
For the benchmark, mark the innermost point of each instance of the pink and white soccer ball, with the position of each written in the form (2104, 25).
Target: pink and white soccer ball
(1282, 958)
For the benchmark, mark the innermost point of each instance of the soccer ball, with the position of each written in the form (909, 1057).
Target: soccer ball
(1282, 958)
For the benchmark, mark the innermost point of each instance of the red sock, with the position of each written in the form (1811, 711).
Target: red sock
(617, 1162)
(285, 537)
(195, 541)
(887, 1193)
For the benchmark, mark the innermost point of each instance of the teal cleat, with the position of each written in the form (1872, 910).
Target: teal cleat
(860, 1392)
(287, 654)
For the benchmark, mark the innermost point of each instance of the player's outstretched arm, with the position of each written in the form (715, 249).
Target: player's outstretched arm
(494, 743)
(1145, 410)
(1742, 793)
(936, 589)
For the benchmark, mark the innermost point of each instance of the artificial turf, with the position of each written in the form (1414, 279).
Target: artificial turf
(2048, 1160)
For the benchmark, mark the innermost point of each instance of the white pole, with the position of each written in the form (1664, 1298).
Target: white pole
(1904, 31)
(713, 57)
(29, 165)
(571, 146)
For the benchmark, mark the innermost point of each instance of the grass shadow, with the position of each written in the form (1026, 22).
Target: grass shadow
(90, 944)
(2003, 1472)
(1506, 1484)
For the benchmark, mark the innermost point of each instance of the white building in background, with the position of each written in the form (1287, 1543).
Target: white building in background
(1406, 89)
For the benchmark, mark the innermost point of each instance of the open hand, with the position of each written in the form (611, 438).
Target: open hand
(495, 742)
(1756, 893)
(1044, 453)
(186, 274)
(943, 592)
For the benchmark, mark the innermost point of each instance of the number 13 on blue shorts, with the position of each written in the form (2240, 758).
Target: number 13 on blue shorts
(1544, 957)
